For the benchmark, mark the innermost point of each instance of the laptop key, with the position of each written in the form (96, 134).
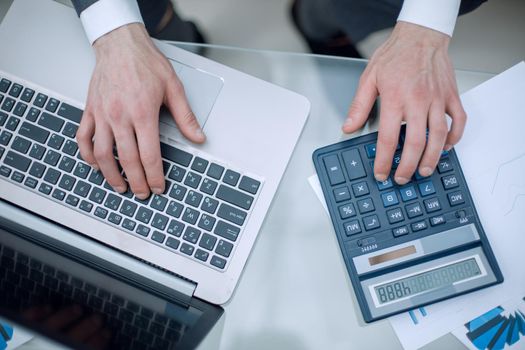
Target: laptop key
(177, 173)
(175, 155)
(114, 218)
(33, 114)
(206, 222)
(52, 176)
(72, 200)
(21, 144)
(249, 185)
(158, 202)
(209, 205)
(207, 242)
(158, 236)
(232, 214)
(193, 180)
(3, 118)
(27, 95)
(5, 137)
(31, 182)
(16, 89)
(128, 208)
(59, 194)
(45, 188)
(37, 151)
(12, 123)
(224, 248)
(70, 148)
(70, 130)
(234, 197)
(177, 192)
(208, 186)
(86, 206)
(8, 104)
(4, 85)
(112, 202)
(201, 255)
(5, 171)
(52, 105)
(187, 249)
(18, 177)
(172, 243)
(144, 215)
(82, 170)
(40, 100)
(174, 209)
(37, 169)
(191, 234)
(96, 177)
(101, 212)
(17, 161)
(143, 230)
(129, 224)
(218, 262)
(51, 122)
(215, 171)
(20, 109)
(199, 165)
(190, 216)
(159, 221)
(69, 112)
(34, 132)
(52, 157)
(97, 195)
(231, 177)
(193, 198)
(227, 231)
(67, 182)
(175, 228)
(82, 188)
(55, 141)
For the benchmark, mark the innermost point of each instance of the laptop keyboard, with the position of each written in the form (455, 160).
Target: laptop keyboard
(29, 282)
(200, 215)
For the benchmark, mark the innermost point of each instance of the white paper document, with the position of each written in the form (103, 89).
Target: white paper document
(492, 156)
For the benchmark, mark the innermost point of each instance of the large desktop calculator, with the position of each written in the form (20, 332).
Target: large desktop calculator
(403, 246)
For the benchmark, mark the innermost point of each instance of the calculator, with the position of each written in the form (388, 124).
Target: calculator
(403, 246)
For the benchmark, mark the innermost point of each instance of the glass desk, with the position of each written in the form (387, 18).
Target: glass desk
(295, 292)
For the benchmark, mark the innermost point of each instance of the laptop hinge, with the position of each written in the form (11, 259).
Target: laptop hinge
(96, 255)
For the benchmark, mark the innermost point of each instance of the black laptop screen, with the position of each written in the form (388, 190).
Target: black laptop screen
(84, 308)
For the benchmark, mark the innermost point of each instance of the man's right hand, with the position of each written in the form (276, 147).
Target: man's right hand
(131, 80)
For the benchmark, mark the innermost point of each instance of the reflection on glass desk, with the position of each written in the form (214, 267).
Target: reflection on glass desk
(295, 286)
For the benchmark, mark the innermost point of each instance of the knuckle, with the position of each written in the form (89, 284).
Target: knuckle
(102, 153)
(415, 142)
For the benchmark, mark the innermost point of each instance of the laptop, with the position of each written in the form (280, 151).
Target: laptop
(200, 232)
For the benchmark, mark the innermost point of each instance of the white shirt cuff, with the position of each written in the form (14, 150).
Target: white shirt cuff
(106, 15)
(439, 15)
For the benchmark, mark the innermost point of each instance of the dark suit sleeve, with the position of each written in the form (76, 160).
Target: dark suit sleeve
(81, 5)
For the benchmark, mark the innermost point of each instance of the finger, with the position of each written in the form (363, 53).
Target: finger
(103, 150)
(129, 159)
(180, 109)
(459, 119)
(413, 147)
(362, 104)
(149, 150)
(99, 340)
(437, 134)
(64, 317)
(37, 313)
(85, 133)
(86, 328)
(387, 140)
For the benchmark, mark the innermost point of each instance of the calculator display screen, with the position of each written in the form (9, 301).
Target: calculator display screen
(432, 279)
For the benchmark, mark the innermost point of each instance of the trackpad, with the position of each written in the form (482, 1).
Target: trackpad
(202, 90)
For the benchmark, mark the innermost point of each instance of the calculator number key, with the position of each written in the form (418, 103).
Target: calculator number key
(408, 193)
(389, 199)
(426, 188)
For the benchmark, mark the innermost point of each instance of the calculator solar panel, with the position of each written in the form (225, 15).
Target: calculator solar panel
(403, 246)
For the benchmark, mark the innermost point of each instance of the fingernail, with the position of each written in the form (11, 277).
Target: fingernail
(425, 171)
(94, 166)
(401, 180)
(157, 190)
(380, 177)
(142, 195)
(447, 147)
(120, 189)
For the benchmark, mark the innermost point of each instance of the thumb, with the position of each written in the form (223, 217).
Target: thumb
(180, 109)
(362, 104)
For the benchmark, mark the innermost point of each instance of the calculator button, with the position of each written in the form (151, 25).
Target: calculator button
(444, 165)
(354, 165)
(449, 182)
(347, 211)
(333, 169)
(418, 226)
(432, 205)
(385, 185)
(456, 198)
(400, 231)
(437, 220)
(365, 205)
(371, 150)
(341, 194)
(408, 193)
(395, 215)
(352, 227)
(371, 222)
(360, 189)
(396, 160)
(389, 199)
(414, 210)
(426, 188)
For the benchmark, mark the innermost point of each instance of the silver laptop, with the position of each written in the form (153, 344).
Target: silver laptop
(201, 230)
